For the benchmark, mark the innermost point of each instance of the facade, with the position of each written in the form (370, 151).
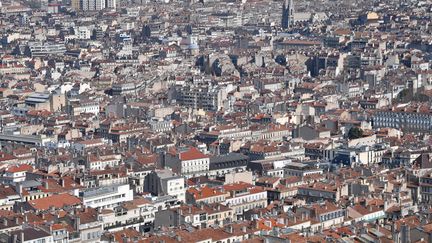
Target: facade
(300, 169)
(188, 162)
(203, 97)
(426, 189)
(225, 164)
(244, 197)
(107, 197)
(287, 14)
(101, 162)
(318, 192)
(92, 5)
(406, 121)
(165, 182)
(137, 214)
(46, 49)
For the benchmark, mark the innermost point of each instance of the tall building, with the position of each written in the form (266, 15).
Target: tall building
(76, 5)
(110, 4)
(287, 14)
(90, 5)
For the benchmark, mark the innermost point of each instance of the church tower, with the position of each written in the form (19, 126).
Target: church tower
(287, 14)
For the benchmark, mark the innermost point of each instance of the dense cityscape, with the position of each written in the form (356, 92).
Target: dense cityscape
(215, 121)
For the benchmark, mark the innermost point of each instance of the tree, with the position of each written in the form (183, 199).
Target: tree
(355, 132)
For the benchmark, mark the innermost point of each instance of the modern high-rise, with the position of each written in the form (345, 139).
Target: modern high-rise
(110, 4)
(91, 5)
(287, 14)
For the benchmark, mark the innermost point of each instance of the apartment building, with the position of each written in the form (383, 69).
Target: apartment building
(100, 162)
(206, 194)
(107, 197)
(409, 119)
(189, 162)
(165, 182)
(244, 196)
(138, 214)
(205, 97)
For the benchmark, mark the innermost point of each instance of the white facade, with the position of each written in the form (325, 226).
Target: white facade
(195, 166)
(175, 187)
(104, 161)
(107, 197)
(246, 201)
(83, 33)
(92, 5)
(132, 217)
(165, 182)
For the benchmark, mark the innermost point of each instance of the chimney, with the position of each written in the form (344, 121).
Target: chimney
(178, 238)
(16, 220)
(77, 223)
(229, 229)
(243, 228)
(45, 184)
(62, 182)
(20, 188)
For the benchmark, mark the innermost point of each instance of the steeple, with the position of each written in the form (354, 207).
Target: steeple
(287, 14)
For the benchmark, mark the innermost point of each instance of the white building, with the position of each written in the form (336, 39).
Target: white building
(106, 197)
(92, 5)
(165, 182)
(100, 162)
(189, 162)
(134, 214)
(244, 196)
(83, 33)
(84, 106)
(15, 174)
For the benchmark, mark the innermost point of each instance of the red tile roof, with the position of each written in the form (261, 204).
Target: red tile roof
(20, 168)
(192, 154)
(56, 201)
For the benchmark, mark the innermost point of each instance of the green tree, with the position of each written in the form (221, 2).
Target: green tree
(355, 132)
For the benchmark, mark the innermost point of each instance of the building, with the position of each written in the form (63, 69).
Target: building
(15, 174)
(319, 191)
(326, 214)
(38, 49)
(165, 182)
(413, 121)
(205, 97)
(107, 197)
(92, 5)
(244, 196)
(111, 4)
(189, 162)
(76, 107)
(228, 163)
(31, 235)
(287, 14)
(300, 169)
(205, 195)
(202, 215)
(138, 214)
(101, 162)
